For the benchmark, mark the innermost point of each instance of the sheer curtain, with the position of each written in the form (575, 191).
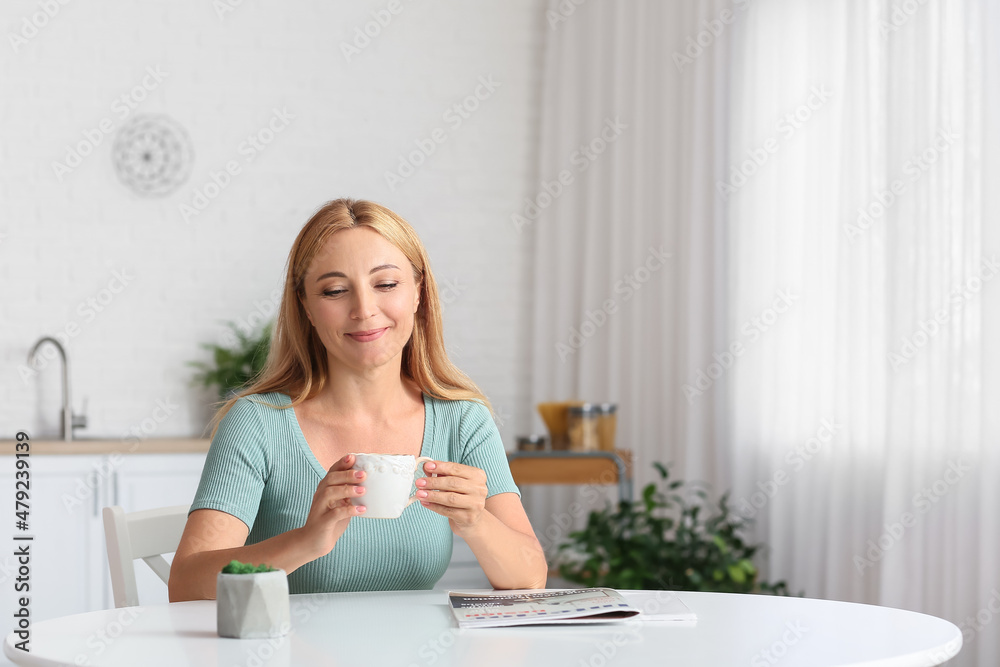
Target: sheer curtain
(627, 233)
(824, 335)
(864, 424)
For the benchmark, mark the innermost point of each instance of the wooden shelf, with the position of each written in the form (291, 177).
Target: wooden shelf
(566, 467)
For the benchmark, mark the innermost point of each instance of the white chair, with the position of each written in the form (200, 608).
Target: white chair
(147, 535)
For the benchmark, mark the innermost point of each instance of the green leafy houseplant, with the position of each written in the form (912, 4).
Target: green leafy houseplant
(234, 366)
(674, 538)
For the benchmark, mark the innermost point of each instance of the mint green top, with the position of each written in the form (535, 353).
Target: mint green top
(260, 470)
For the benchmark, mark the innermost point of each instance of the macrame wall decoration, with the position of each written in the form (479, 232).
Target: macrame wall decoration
(152, 155)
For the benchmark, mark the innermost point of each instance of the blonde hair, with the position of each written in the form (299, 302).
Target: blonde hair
(296, 361)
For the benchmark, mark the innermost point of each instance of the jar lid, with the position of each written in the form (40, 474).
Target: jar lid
(607, 408)
(583, 410)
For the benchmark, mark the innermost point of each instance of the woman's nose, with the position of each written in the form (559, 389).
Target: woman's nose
(364, 305)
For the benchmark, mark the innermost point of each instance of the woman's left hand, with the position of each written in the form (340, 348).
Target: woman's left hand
(457, 492)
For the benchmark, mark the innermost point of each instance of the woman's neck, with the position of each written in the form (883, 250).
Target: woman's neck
(374, 397)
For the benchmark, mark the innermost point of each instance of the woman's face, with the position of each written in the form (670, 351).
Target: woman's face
(361, 296)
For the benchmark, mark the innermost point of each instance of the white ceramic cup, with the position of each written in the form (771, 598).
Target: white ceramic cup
(388, 483)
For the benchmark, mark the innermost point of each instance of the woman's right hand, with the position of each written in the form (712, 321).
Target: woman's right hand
(331, 508)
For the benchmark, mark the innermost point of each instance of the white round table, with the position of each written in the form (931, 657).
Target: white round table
(390, 629)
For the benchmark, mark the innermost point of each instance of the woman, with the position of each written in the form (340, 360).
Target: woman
(357, 364)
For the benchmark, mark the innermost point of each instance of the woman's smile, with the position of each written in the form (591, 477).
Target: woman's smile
(367, 336)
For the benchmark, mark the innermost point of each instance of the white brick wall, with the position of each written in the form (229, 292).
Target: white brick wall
(61, 242)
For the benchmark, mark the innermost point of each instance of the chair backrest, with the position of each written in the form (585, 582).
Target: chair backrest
(147, 535)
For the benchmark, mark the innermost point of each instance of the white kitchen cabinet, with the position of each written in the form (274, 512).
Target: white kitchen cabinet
(69, 565)
(146, 481)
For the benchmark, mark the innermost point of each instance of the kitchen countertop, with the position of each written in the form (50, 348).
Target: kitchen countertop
(111, 445)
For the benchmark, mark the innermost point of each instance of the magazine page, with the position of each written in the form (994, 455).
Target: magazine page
(530, 607)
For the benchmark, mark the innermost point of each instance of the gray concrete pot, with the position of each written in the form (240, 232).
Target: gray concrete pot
(252, 606)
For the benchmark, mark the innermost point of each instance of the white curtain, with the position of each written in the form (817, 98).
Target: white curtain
(865, 415)
(629, 284)
(826, 335)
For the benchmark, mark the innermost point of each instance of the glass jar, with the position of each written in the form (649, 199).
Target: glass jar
(581, 426)
(607, 422)
(532, 443)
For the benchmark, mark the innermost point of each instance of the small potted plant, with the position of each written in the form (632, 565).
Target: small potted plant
(674, 538)
(252, 601)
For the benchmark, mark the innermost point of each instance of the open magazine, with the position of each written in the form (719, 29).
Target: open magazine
(486, 609)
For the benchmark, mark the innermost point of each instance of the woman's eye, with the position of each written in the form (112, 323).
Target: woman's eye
(382, 286)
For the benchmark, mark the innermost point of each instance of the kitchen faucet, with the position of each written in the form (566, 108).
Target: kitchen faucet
(69, 420)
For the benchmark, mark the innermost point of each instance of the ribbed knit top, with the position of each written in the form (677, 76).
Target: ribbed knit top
(261, 470)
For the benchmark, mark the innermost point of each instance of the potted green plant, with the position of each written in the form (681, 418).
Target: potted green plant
(252, 601)
(234, 365)
(674, 538)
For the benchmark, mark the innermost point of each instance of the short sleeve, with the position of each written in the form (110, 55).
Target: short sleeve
(232, 480)
(482, 448)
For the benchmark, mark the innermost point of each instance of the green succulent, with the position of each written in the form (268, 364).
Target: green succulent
(236, 567)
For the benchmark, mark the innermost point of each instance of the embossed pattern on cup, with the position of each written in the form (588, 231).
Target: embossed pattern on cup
(388, 483)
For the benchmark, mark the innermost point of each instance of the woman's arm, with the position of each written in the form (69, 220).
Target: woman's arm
(496, 528)
(505, 545)
(212, 538)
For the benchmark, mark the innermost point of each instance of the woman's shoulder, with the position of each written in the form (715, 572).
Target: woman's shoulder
(459, 404)
(257, 407)
(272, 400)
(458, 411)
(467, 428)
(255, 421)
